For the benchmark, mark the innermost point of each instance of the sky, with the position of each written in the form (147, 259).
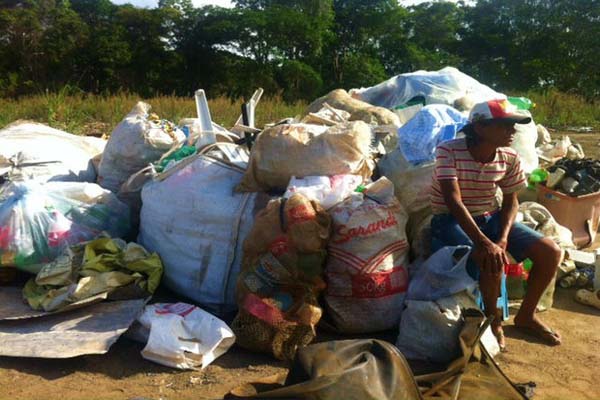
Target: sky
(222, 3)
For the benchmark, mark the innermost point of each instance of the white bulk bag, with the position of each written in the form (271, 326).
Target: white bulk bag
(197, 224)
(35, 151)
(136, 142)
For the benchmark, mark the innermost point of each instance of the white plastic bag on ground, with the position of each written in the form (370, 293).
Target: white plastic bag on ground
(327, 190)
(197, 223)
(436, 87)
(526, 136)
(136, 142)
(367, 258)
(302, 150)
(35, 151)
(184, 336)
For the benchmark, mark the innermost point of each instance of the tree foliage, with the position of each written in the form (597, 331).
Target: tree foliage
(298, 48)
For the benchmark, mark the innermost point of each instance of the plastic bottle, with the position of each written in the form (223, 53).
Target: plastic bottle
(555, 177)
(516, 277)
(522, 103)
(569, 185)
(538, 175)
(586, 277)
(569, 280)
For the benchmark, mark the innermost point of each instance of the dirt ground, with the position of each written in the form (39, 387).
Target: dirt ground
(563, 372)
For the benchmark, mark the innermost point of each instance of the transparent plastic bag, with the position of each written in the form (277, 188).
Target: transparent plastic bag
(436, 87)
(38, 221)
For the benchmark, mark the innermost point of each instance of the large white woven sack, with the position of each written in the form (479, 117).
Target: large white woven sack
(35, 151)
(197, 224)
(136, 142)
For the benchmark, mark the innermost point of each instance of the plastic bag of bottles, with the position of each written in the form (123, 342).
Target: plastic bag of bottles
(37, 221)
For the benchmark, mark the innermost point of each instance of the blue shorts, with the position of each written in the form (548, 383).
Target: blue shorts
(445, 231)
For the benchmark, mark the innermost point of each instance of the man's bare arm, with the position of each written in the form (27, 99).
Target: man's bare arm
(488, 255)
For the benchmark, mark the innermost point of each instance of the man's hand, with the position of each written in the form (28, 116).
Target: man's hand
(502, 243)
(490, 257)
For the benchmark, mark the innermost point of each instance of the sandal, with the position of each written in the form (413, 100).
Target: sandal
(588, 297)
(546, 335)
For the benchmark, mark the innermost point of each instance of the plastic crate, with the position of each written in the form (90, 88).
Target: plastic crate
(581, 215)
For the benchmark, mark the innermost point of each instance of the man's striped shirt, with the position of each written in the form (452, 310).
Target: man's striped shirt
(478, 181)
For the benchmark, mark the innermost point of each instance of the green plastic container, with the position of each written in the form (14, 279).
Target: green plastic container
(538, 175)
(522, 103)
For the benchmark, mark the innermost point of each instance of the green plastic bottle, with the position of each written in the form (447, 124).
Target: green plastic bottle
(522, 103)
(538, 175)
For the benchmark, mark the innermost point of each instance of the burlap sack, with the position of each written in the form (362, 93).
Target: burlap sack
(302, 150)
(358, 109)
(367, 259)
(281, 277)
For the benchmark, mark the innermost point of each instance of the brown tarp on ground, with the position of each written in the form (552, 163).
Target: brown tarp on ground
(474, 375)
(365, 369)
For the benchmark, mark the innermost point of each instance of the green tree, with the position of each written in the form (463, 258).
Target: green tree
(38, 37)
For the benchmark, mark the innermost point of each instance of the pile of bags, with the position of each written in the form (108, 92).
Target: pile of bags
(304, 222)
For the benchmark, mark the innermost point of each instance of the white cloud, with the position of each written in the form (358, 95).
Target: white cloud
(154, 3)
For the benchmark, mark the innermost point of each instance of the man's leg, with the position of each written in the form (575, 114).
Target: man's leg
(523, 243)
(445, 231)
(489, 286)
(546, 256)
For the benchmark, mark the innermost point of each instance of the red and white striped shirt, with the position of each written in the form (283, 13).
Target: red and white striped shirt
(478, 181)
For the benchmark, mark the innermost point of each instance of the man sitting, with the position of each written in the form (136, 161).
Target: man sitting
(468, 173)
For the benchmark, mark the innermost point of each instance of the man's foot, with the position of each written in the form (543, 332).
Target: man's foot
(538, 329)
(499, 334)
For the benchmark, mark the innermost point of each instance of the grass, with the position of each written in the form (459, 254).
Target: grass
(560, 110)
(82, 113)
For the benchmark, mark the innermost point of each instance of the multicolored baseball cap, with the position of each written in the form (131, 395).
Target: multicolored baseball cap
(497, 110)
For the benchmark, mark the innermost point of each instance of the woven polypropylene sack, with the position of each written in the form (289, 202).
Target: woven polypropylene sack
(302, 150)
(196, 223)
(367, 258)
(136, 142)
(32, 151)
